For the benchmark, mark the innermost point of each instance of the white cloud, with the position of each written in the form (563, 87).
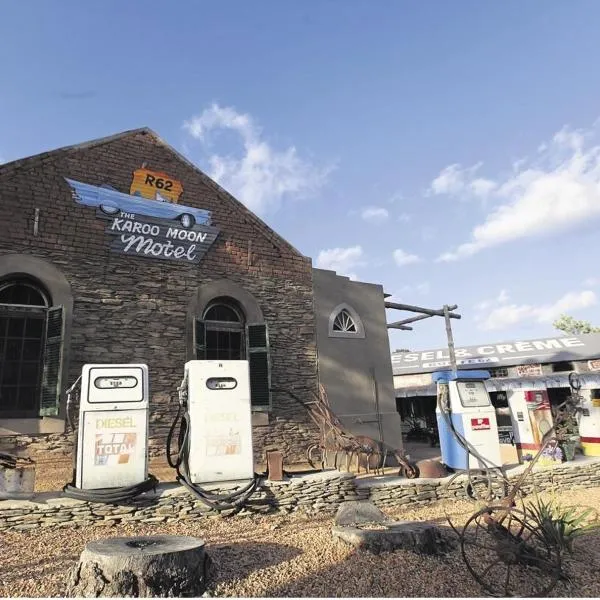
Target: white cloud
(504, 315)
(374, 214)
(591, 282)
(262, 176)
(557, 191)
(404, 218)
(503, 297)
(342, 260)
(403, 258)
(456, 181)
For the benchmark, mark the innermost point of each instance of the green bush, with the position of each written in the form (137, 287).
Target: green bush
(561, 525)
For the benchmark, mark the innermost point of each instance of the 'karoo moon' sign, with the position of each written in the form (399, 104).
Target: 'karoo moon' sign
(152, 238)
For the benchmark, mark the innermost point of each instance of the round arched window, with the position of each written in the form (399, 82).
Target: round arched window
(23, 316)
(224, 324)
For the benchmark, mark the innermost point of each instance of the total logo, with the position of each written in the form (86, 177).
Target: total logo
(480, 423)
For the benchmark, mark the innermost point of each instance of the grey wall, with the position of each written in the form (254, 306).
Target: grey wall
(347, 364)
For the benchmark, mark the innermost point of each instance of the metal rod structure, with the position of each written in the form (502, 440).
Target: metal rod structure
(450, 338)
(425, 313)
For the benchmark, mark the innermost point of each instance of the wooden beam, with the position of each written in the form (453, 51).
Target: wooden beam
(411, 320)
(425, 311)
(396, 326)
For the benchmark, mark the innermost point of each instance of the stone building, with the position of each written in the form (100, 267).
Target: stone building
(120, 250)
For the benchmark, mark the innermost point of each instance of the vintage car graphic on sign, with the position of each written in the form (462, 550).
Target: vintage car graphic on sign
(111, 202)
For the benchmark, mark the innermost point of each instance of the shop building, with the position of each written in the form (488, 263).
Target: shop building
(526, 365)
(120, 250)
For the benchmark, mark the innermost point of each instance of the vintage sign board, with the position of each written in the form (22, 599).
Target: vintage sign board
(544, 350)
(525, 370)
(155, 238)
(155, 185)
(150, 228)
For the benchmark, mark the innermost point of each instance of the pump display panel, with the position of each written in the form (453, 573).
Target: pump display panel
(473, 394)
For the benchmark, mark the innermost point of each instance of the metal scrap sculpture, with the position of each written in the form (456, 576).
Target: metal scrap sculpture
(335, 440)
(510, 550)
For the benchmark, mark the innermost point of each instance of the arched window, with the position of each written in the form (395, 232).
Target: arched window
(224, 330)
(26, 336)
(345, 322)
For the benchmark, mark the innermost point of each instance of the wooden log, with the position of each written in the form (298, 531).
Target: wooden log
(162, 566)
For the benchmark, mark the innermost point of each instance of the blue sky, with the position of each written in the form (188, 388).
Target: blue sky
(447, 150)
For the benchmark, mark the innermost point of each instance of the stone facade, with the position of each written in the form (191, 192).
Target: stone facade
(128, 309)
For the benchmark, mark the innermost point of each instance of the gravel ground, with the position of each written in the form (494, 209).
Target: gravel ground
(282, 556)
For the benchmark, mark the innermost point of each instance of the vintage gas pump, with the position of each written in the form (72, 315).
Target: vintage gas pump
(589, 415)
(215, 432)
(112, 437)
(466, 421)
(531, 417)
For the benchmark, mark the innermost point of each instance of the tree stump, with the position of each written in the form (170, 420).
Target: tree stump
(163, 566)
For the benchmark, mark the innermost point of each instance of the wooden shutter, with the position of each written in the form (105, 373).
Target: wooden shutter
(260, 368)
(199, 339)
(53, 351)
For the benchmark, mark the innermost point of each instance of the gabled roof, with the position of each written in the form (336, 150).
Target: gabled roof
(36, 159)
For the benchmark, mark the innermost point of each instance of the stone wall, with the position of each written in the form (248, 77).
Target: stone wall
(314, 493)
(321, 492)
(397, 492)
(130, 309)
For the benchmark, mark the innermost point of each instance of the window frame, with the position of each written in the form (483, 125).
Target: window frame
(360, 330)
(216, 326)
(48, 385)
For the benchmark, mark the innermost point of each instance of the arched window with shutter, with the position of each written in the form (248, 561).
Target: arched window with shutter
(31, 348)
(223, 334)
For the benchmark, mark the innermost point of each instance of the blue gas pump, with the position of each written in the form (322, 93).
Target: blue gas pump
(466, 421)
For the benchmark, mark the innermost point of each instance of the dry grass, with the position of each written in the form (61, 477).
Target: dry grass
(283, 556)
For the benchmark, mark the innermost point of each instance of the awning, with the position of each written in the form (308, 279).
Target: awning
(503, 384)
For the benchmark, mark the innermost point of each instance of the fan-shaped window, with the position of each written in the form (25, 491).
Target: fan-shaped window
(344, 322)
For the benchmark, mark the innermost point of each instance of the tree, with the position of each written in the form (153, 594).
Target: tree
(572, 326)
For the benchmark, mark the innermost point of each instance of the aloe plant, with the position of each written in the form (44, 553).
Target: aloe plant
(561, 525)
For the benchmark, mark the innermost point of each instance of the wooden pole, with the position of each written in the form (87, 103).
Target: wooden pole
(450, 338)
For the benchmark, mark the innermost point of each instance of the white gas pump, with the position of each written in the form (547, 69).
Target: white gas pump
(466, 421)
(531, 416)
(589, 415)
(215, 434)
(112, 437)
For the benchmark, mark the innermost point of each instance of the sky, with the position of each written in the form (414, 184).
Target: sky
(448, 151)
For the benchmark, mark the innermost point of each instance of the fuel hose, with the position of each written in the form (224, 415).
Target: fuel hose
(234, 500)
(113, 495)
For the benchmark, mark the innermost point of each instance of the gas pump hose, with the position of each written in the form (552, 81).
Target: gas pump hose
(114, 495)
(235, 500)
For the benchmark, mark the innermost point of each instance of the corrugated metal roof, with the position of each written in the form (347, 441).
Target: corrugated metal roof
(506, 354)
